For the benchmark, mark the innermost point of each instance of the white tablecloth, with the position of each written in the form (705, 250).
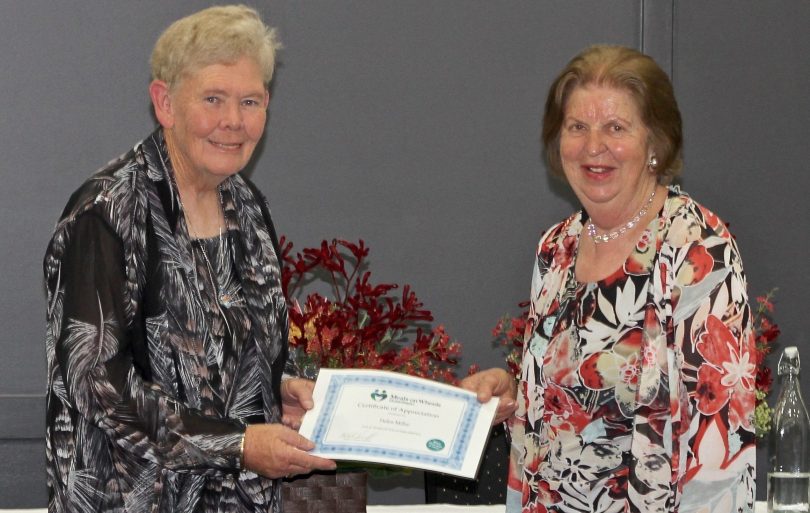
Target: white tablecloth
(434, 508)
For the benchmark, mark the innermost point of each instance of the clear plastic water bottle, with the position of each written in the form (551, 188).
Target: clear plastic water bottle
(789, 451)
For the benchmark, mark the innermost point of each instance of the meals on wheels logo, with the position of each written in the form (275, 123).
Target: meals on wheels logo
(379, 395)
(435, 444)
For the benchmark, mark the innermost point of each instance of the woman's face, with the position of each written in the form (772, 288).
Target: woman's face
(217, 117)
(604, 150)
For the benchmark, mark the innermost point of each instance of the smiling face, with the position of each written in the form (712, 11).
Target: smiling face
(213, 119)
(604, 149)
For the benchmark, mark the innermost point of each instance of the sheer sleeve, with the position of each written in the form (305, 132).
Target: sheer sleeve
(524, 445)
(713, 327)
(103, 382)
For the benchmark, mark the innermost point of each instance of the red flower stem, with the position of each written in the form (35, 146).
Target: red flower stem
(336, 288)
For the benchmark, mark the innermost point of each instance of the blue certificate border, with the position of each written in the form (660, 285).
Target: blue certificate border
(461, 440)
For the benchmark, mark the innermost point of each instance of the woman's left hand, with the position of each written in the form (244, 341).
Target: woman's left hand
(296, 399)
(494, 383)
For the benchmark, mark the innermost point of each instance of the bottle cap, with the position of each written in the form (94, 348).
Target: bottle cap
(789, 362)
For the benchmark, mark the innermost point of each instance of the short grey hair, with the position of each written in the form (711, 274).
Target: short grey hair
(216, 35)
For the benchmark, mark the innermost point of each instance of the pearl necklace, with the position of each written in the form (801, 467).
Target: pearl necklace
(615, 234)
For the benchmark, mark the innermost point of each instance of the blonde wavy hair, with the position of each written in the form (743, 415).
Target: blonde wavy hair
(216, 35)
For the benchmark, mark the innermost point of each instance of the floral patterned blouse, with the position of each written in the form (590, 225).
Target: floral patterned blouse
(637, 391)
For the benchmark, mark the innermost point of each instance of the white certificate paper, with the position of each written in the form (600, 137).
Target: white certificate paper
(396, 419)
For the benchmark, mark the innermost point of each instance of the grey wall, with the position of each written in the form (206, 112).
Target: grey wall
(414, 125)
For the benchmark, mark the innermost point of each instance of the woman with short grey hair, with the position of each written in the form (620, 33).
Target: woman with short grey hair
(167, 326)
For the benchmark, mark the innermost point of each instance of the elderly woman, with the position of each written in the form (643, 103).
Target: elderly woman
(637, 385)
(167, 326)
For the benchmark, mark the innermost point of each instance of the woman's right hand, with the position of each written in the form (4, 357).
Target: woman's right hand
(274, 450)
(494, 383)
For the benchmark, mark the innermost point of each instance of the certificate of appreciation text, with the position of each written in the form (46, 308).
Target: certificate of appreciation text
(396, 419)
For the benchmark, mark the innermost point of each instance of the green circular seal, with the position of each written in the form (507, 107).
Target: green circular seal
(435, 444)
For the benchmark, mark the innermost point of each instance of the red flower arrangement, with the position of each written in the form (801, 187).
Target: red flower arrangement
(765, 333)
(509, 333)
(363, 325)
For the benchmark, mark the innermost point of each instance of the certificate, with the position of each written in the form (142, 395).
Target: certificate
(396, 419)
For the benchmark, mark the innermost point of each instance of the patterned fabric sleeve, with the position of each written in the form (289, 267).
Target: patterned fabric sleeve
(713, 335)
(290, 369)
(517, 424)
(104, 374)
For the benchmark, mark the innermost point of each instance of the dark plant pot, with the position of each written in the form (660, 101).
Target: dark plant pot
(325, 492)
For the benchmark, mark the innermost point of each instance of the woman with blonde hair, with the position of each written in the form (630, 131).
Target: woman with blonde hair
(167, 327)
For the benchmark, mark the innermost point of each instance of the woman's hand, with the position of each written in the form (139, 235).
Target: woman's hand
(494, 383)
(296, 399)
(274, 450)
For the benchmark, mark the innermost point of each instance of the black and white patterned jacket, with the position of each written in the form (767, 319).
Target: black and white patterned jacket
(130, 424)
